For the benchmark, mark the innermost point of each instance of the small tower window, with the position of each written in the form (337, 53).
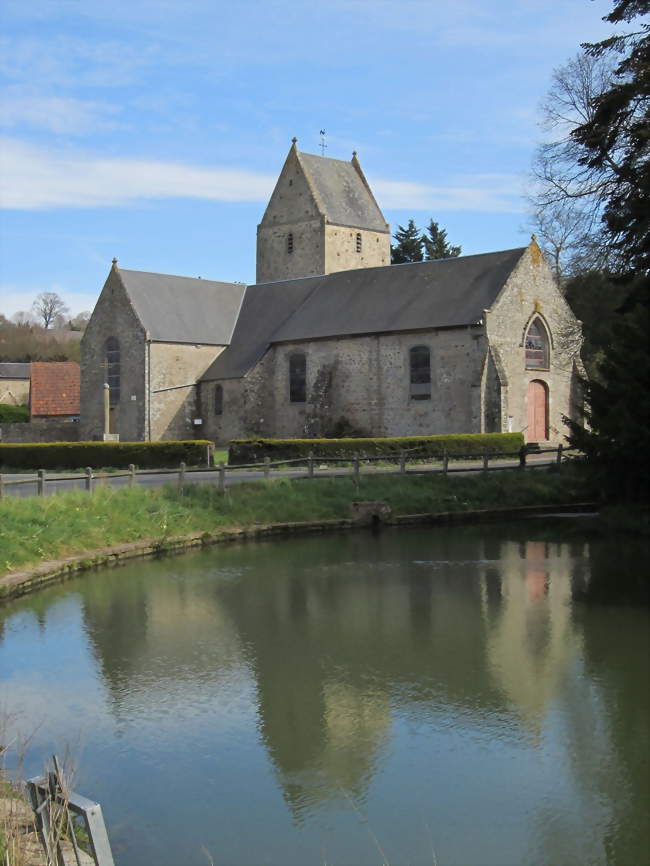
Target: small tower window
(218, 400)
(290, 243)
(359, 242)
(536, 344)
(297, 377)
(420, 368)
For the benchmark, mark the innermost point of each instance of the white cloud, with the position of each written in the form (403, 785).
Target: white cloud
(39, 179)
(55, 114)
(488, 193)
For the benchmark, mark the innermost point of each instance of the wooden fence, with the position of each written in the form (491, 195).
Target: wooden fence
(314, 465)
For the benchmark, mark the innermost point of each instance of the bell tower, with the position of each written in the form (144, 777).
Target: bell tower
(322, 217)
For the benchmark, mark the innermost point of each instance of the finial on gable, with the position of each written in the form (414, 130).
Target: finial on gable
(114, 262)
(294, 141)
(533, 238)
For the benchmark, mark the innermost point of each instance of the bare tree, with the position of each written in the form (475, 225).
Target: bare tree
(568, 197)
(23, 318)
(80, 321)
(48, 308)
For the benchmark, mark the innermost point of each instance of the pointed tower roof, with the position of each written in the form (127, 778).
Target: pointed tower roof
(342, 192)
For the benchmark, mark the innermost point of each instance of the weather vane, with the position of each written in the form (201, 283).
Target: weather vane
(322, 142)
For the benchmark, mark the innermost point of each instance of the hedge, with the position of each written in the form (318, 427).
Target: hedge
(77, 455)
(10, 414)
(243, 451)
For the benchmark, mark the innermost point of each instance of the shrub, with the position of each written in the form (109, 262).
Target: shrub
(76, 455)
(13, 414)
(456, 445)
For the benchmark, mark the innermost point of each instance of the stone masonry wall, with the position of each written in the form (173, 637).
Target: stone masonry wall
(363, 380)
(531, 291)
(173, 406)
(40, 431)
(341, 249)
(114, 316)
(274, 262)
(248, 405)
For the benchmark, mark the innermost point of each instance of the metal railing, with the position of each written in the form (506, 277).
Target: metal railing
(420, 461)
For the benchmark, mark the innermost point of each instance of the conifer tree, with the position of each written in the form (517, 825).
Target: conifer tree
(615, 142)
(409, 245)
(435, 244)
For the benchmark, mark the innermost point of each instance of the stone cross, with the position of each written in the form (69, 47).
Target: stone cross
(107, 408)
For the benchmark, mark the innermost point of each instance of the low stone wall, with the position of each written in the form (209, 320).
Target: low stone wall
(40, 431)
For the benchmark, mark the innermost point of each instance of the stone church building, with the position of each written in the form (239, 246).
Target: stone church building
(332, 338)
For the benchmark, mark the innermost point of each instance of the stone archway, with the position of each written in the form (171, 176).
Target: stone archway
(537, 408)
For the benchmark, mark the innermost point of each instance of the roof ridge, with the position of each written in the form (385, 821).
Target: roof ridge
(180, 277)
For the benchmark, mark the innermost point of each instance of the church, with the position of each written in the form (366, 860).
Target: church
(332, 339)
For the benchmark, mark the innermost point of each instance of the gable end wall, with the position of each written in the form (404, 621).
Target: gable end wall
(113, 316)
(531, 289)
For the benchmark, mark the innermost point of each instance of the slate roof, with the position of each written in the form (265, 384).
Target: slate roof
(14, 370)
(345, 198)
(55, 388)
(438, 294)
(184, 309)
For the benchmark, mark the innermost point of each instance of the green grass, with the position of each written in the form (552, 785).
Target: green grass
(36, 529)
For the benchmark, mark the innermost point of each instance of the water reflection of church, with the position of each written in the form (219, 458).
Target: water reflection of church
(334, 649)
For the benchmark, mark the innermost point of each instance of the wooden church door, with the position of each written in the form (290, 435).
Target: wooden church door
(537, 411)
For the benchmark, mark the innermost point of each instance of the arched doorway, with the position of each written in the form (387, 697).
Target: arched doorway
(537, 411)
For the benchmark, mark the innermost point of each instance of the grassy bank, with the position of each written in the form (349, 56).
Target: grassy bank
(36, 529)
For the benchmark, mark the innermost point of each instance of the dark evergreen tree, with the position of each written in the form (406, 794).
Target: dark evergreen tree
(435, 244)
(615, 141)
(409, 245)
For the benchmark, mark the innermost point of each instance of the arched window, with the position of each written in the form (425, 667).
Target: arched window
(420, 367)
(218, 400)
(359, 242)
(536, 344)
(112, 362)
(298, 377)
(290, 243)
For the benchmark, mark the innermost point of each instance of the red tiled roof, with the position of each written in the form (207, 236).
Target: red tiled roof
(55, 388)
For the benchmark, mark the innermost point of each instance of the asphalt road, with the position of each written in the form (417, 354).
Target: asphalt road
(60, 482)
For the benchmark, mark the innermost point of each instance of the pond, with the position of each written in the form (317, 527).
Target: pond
(473, 695)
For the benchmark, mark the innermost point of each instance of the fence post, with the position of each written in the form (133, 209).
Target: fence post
(208, 455)
(445, 461)
(41, 482)
(2, 486)
(267, 466)
(486, 458)
(181, 475)
(221, 486)
(402, 462)
(559, 455)
(310, 464)
(522, 457)
(131, 474)
(89, 479)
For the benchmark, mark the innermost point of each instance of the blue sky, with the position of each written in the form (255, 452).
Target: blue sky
(154, 130)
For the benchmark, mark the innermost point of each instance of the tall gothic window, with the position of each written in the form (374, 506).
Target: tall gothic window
(359, 242)
(298, 377)
(420, 367)
(218, 400)
(290, 242)
(112, 350)
(536, 344)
